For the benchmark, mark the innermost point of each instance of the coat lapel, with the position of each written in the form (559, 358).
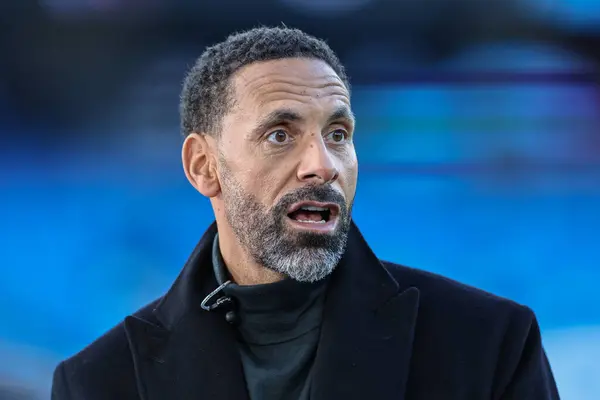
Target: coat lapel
(184, 352)
(367, 333)
(188, 353)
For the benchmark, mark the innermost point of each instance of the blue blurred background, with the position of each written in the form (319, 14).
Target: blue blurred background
(477, 138)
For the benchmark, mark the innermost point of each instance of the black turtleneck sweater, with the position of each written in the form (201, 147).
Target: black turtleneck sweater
(279, 328)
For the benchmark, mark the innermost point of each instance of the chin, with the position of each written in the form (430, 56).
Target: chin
(306, 264)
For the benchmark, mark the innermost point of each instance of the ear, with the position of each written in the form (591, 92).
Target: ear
(199, 164)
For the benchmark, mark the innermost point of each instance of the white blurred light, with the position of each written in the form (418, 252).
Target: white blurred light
(318, 6)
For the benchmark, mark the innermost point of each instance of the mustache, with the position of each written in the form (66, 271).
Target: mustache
(322, 194)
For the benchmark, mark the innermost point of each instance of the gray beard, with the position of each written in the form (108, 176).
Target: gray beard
(301, 256)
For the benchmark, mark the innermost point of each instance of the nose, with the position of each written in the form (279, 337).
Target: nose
(317, 164)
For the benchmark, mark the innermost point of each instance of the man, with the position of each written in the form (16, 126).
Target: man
(282, 297)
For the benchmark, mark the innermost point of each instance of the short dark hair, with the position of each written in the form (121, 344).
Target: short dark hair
(207, 92)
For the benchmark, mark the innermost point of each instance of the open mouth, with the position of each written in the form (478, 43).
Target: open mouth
(313, 213)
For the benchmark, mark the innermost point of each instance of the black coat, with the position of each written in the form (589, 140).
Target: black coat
(389, 332)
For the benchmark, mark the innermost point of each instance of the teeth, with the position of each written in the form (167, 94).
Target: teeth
(312, 222)
(312, 208)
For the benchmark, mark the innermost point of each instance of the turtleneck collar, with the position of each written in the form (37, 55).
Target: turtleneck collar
(272, 312)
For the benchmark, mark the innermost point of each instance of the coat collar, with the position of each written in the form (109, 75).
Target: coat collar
(364, 350)
(367, 332)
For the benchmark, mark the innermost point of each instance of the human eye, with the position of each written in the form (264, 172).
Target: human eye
(279, 137)
(338, 136)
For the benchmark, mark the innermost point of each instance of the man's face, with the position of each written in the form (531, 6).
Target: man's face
(287, 166)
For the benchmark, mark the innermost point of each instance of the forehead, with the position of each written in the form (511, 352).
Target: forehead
(292, 82)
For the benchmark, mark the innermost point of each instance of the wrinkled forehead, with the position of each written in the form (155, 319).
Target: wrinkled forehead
(262, 86)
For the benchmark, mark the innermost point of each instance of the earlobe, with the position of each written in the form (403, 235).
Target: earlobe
(198, 164)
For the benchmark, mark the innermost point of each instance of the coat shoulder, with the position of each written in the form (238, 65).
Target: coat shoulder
(442, 292)
(103, 368)
(474, 335)
(462, 315)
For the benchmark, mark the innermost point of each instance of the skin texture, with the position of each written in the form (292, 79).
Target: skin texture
(288, 138)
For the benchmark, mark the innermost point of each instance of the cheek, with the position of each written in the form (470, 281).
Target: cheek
(350, 176)
(274, 178)
(262, 183)
(351, 183)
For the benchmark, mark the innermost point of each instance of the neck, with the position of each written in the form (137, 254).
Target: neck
(243, 269)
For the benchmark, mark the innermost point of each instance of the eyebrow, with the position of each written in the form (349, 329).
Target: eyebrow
(286, 115)
(276, 117)
(342, 112)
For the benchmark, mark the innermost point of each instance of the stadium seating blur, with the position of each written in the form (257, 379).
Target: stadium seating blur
(478, 142)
